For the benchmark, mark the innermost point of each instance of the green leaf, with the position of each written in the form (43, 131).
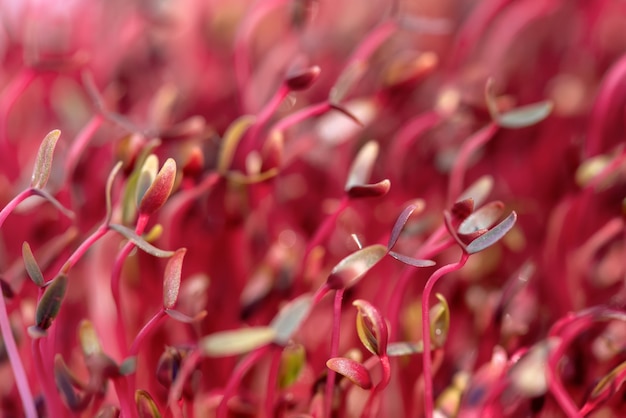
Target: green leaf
(32, 268)
(371, 327)
(292, 361)
(290, 317)
(171, 280)
(350, 270)
(146, 177)
(239, 341)
(146, 407)
(439, 322)
(43, 163)
(354, 371)
(88, 338)
(109, 190)
(140, 242)
(50, 303)
(232, 137)
(160, 189)
(128, 366)
(524, 116)
(493, 235)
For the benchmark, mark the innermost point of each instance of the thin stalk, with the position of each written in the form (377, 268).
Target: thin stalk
(299, 116)
(147, 329)
(48, 388)
(10, 207)
(237, 376)
(471, 145)
(334, 352)
(176, 389)
(426, 359)
(83, 247)
(21, 379)
(81, 141)
(272, 382)
(374, 395)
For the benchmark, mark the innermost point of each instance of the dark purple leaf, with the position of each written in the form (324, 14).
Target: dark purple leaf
(493, 235)
(418, 206)
(411, 261)
(50, 303)
(32, 268)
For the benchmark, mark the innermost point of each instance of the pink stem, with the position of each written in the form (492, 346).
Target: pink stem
(237, 376)
(468, 148)
(83, 247)
(6, 211)
(147, 329)
(386, 377)
(334, 352)
(53, 404)
(80, 143)
(554, 382)
(299, 116)
(21, 380)
(272, 382)
(426, 359)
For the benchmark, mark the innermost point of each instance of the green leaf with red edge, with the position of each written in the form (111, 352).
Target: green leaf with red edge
(146, 407)
(411, 261)
(352, 268)
(232, 137)
(235, 342)
(605, 388)
(43, 163)
(32, 268)
(371, 327)
(140, 242)
(171, 279)
(292, 361)
(50, 303)
(290, 317)
(160, 189)
(493, 235)
(439, 322)
(185, 319)
(418, 205)
(354, 371)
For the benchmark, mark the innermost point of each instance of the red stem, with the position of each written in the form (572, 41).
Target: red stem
(386, 377)
(237, 376)
(334, 352)
(426, 360)
(272, 382)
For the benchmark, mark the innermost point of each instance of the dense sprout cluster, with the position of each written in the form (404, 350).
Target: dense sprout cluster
(304, 208)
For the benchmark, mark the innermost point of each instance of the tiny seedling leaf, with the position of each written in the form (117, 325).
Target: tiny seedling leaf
(350, 270)
(478, 191)
(232, 136)
(89, 342)
(493, 235)
(140, 242)
(355, 371)
(109, 190)
(370, 190)
(361, 168)
(146, 407)
(524, 116)
(171, 280)
(290, 317)
(147, 175)
(302, 78)
(439, 321)
(32, 268)
(404, 348)
(43, 164)
(128, 366)
(482, 219)
(418, 206)
(371, 327)
(292, 361)
(239, 341)
(65, 383)
(160, 189)
(411, 261)
(50, 303)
